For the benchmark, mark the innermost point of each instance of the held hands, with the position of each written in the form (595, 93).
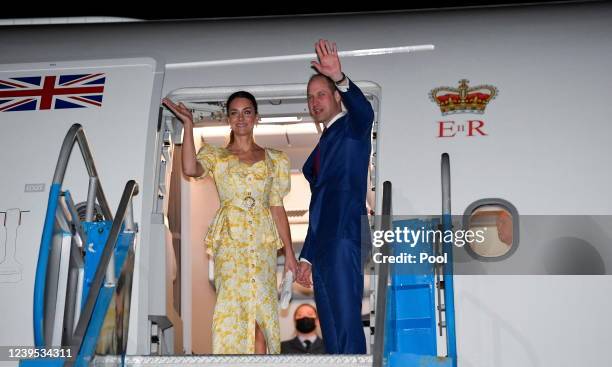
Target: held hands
(304, 274)
(180, 111)
(329, 62)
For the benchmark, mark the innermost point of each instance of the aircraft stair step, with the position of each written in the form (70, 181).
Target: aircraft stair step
(238, 361)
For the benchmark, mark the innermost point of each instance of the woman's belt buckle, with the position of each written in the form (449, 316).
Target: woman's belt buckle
(248, 202)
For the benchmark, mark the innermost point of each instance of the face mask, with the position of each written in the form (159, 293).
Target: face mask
(305, 324)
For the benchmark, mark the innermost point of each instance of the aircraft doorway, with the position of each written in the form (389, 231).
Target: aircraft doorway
(285, 125)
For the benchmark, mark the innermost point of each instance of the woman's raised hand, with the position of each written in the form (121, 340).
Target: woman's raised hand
(191, 167)
(180, 111)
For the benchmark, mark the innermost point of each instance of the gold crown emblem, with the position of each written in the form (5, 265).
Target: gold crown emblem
(463, 99)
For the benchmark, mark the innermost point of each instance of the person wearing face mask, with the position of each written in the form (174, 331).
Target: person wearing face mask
(306, 340)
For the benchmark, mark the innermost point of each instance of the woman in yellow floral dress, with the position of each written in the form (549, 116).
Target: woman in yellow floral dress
(247, 231)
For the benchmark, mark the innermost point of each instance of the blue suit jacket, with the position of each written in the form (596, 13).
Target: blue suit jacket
(339, 191)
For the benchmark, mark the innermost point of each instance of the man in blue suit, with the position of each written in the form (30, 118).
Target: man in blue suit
(337, 171)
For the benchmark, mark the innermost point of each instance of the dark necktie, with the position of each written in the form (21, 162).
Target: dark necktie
(307, 343)
(317, 157)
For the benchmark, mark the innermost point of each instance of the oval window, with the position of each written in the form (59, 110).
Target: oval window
(495, 220)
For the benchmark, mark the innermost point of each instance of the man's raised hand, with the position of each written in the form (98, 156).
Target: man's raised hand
(329, 62)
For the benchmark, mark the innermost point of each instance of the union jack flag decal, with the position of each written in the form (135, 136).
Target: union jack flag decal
(52, 92)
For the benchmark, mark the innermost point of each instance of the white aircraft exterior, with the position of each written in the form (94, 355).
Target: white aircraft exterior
(541, 142)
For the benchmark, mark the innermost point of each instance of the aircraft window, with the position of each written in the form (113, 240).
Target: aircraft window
(497, 223)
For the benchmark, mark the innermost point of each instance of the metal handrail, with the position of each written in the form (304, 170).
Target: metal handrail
(123, 213)
(74, 135)
(383, 282)
(446, 184)
(449, 301)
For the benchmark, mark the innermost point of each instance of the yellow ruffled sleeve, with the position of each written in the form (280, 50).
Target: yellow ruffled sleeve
(281, 183)
(207, 157)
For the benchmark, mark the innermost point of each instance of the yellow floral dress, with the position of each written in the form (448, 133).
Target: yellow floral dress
(243, 239)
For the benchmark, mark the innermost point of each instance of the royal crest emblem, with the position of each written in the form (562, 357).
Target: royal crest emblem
(463, 99)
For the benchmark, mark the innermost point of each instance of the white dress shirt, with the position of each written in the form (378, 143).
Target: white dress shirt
(312, 339)
(329, 124)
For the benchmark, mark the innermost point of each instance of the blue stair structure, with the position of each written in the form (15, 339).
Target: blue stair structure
(411, 330)
(420, 294)
(99, 247)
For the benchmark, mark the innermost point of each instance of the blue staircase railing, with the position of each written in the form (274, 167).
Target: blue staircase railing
(75, 135)
(411, 327)
(106, 244)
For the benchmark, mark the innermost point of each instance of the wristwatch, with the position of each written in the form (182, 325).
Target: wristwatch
(341, 80)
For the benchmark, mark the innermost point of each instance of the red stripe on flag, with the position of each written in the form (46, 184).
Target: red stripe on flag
(56, 91)
(16, 104)
(47, 93)
(13, 84)
(95, 103)
(81, 79)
